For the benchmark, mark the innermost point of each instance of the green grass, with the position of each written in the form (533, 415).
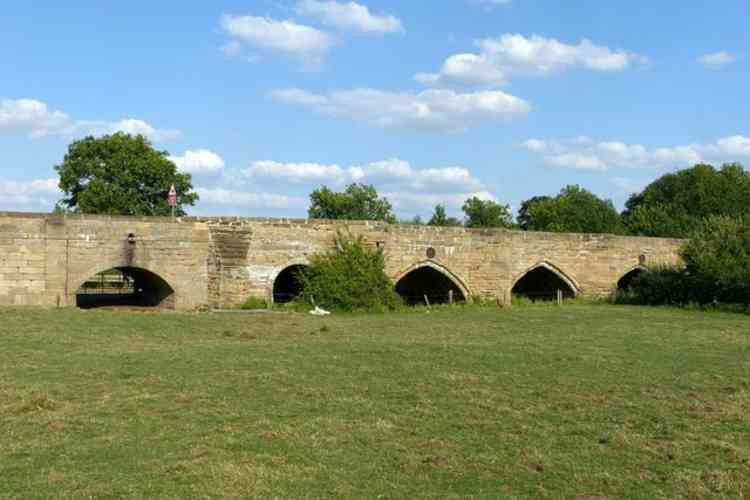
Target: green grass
(557, 402)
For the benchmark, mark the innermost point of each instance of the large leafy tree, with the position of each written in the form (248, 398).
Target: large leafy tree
(676, 204)
(525, 219)
(486, 213)
(121, 174)
(574, 210)
(357, 202)
(440, 218)
(718, 253)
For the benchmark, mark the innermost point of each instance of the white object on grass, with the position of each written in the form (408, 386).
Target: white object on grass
(319, 312)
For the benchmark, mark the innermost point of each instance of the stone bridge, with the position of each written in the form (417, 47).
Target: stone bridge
(192, 262)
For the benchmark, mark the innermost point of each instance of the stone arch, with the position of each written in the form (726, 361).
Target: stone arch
(285, 286)
(626, 279)
(542, 281)
(431, 279)
(125, 286)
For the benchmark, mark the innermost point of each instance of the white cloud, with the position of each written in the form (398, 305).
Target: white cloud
(501, 59)
(349, 16)
(298, 172)
(231, 197)
(387, 174)
(434, 109)
(201, 161)
(305, 43)
(424, 203)
(584, 153)
(410, 189)
(716, 60)
(36, 119)
(39, 194)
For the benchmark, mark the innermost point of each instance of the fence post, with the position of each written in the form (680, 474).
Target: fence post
(559, 297)
(426, 300)
(450, 297)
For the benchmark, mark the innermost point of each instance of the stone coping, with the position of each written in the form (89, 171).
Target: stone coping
(329, 222)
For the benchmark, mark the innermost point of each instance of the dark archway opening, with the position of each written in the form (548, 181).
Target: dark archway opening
(626, 282)
(426, 281)
(125, 287)
(542, 284)
(288, 286)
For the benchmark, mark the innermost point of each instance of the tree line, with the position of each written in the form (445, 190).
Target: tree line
(123, 174)
(675, 205)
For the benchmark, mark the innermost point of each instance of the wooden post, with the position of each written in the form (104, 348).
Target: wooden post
(559, 297)
(450, 297)
(426, 300)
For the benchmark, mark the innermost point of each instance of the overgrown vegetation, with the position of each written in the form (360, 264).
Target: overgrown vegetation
(350, 277)
(539, 402)
(716, 270)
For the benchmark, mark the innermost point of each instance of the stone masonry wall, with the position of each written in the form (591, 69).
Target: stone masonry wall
(219, 262)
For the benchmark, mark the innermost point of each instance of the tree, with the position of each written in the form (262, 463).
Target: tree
(525, 221)
(574, 210)
(718, 253)
(121, 174)
(351, 277)
(357, 202)
(440, 218)
(486, 213)
(675, 204)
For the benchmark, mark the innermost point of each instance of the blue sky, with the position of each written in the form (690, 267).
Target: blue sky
(432, 102)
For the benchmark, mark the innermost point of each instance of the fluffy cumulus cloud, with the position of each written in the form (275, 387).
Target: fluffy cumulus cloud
(35, 119)
(201, 161)
(585, 153)
(39, 194)
(439, 109)
(223, 197)
(305, 43)
(349, 16)
(409, 188)
(501, 59)
(716, 60)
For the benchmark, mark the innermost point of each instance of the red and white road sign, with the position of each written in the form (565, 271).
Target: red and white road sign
(172, 196)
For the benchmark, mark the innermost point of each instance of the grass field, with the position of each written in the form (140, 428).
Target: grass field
(572, 402)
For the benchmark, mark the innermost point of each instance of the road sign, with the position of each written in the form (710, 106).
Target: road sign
(172, 196)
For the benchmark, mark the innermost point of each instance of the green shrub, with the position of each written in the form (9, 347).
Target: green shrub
(719, 253)
(253, 303)
(716, 270)
(660, 286)
(351, 277)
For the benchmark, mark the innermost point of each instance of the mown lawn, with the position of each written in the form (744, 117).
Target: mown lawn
(533, 402)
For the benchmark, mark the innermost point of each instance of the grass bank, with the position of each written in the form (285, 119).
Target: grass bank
(575, 402)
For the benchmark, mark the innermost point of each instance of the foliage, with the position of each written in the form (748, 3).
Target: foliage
(525, 220)
(357, 202)
(574, 210)
(667, 285)
(350, 277)
(718, 252)
(675, 204)
(254, 303)
(440, 218)
(717, 268)
(486, 213)
(120, 174)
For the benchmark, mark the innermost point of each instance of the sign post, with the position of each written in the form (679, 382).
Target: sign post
(172, 198)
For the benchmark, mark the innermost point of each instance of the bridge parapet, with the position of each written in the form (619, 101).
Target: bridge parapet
(220, 261)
